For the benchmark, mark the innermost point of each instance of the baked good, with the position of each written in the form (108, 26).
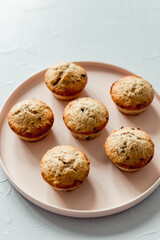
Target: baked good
(85, 117)
(31, 119)
(129, 148)
(132, 94)
(64, 167)
(66, 80)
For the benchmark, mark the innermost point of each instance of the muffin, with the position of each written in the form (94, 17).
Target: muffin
(132, 94)
(64, 167)
(85, 117)
(31, 119)
(66, 80)
(129, 148)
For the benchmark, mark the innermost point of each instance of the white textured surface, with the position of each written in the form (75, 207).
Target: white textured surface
(34, 35)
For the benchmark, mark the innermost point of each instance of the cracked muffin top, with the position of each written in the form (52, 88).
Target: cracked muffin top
(85, 116)
(30, 118)
(129, 148)
(64, 167)
(66, 79)
(132, 93)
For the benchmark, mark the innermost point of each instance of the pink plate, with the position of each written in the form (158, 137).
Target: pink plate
(107, 189)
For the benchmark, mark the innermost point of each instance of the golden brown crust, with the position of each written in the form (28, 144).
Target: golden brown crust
(126, 169)
(129, 148)
(132, 93)
(66, 79)
(30, 119)
(84, 136)
(34, 139)
(64, 167)
(85, 116)
(131, 112)
(66, 98)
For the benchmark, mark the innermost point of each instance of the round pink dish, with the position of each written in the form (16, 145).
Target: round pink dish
(107, 190)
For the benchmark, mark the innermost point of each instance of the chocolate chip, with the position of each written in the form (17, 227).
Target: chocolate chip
(39, 119)
(83, 75)
(18, 111)
(138, 128)
(122, 151)
(138, 105)
(121, 127)
(127, 158)
(142, 159)
(124, 146)
(56, 81)
(34, 112)
(106, 118)
(88, 138)
(82, 109)
(77, 181)
(64, 163)
(95, 130)
(133, 128)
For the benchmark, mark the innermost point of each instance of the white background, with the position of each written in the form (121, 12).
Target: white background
(35, 34)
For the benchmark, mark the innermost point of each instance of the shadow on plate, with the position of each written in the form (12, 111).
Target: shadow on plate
(38, 149)
(82, 198)
(140, 180)
(145, 120)
(95, 146)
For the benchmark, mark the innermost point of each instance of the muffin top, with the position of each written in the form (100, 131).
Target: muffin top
(129, 147)
(66, 79)
(30, 118)
(132, 93)
(85, 116)
(64, 167)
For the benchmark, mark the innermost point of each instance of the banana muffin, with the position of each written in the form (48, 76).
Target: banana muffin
(85, 117)
(66, 80)
(64, 167)
(129, 148)
(31, 119)
(132, 94)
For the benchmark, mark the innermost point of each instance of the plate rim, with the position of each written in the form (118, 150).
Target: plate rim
(66, 211)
